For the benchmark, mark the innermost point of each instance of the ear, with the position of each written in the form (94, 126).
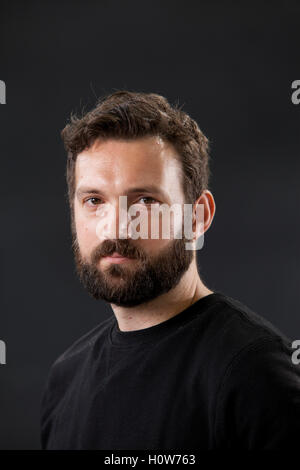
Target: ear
(203, 213)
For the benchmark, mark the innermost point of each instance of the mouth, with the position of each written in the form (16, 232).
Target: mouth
(117, 258)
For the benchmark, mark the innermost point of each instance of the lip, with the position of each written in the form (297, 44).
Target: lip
(116, 258)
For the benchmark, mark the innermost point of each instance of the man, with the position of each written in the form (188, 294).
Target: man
(177, 365)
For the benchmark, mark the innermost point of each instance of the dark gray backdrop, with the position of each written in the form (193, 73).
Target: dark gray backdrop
(231, 66)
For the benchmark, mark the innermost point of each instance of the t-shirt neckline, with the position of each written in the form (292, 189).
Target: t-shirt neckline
(132, 338)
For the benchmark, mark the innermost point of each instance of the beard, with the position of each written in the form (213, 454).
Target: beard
(138, 281)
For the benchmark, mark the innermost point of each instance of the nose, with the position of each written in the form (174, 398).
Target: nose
(113, 220)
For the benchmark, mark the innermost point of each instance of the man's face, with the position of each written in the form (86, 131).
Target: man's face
(147, 171)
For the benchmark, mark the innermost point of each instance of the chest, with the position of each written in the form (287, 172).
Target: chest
(136, 399)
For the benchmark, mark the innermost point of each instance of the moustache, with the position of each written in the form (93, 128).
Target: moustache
(122, 246)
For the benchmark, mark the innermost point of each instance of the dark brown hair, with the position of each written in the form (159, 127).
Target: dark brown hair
(129, 115)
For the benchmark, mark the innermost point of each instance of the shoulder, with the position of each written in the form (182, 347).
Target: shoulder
(73, 358)
(68, 365)
(235, 326)
(236, 338)
(258, 398)
(86, 342)
(258, 394)
(78, 351)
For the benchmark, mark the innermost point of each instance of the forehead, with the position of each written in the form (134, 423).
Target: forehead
(118, 164)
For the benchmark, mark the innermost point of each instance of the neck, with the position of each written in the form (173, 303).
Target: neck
(188, 291)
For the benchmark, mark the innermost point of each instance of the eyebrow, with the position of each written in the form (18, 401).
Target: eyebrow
(145, 189)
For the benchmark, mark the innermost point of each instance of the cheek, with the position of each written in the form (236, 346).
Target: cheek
(167, 227)
(86, 233)
(153, 247)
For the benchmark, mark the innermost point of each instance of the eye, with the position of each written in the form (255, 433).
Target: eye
(92, 201)
(150, 200)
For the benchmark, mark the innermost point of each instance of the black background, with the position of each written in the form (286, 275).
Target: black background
(231, 65)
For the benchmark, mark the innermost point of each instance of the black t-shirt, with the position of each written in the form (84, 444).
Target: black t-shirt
(214, 376)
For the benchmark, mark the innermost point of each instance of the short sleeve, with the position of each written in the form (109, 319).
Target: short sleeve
(258, 402)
